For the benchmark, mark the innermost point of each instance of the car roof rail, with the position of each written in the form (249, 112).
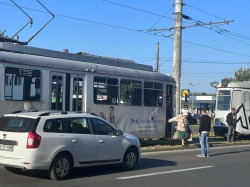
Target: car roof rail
(16, 112)
(90, 113)
(45, 114)
(20, 111)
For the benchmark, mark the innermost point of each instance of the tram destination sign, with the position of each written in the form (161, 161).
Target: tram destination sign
(25, 72)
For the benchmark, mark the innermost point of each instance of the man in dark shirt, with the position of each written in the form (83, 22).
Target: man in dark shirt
(204, 129)
(231, 122)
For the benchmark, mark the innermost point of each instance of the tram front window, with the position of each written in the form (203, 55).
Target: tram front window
(224, 98)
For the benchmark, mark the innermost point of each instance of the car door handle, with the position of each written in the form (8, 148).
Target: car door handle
(74, 141)
(101, 141)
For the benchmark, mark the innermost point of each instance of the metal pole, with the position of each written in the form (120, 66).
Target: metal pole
(177, 51)
(157, 57)
(192, 94)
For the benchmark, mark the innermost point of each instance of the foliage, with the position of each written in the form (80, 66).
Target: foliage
(2, 33)
(214, 84)
(243, 74)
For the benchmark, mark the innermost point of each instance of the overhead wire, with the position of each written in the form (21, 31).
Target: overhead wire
(217, 30)
(221, 31)
(93, 22)
(204, 12)
(137, 9)
(134, 30)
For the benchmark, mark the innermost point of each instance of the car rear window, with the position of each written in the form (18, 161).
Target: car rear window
(17, 124)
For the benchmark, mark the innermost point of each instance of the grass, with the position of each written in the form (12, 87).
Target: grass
(167, 144)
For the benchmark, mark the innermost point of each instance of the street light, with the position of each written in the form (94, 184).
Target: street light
(192, 94)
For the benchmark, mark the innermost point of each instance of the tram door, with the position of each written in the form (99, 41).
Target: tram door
(77, 97)
(57, 91)
(169, 111)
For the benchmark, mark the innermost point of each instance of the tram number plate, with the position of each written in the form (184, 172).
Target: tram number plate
(6, 147)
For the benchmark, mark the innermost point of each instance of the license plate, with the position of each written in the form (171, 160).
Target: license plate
(6, 147)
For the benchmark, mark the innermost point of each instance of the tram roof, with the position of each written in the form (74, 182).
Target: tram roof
(81, 56)
(25, 55)
(243, 84)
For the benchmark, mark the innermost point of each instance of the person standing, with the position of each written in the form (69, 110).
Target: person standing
(231, 122)
(204, 129)
(182, 127)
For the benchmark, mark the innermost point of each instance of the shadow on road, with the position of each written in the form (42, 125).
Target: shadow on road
(145, 163)
(230, 152)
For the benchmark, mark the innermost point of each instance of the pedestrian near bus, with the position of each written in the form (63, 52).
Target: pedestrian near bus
(204, 129)
(183, 129)
(231, 122)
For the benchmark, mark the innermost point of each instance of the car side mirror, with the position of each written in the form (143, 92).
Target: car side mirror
(119, 133)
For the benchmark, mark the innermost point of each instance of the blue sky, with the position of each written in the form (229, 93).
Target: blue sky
(119, 28)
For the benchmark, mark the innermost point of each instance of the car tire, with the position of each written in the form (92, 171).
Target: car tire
(60, 167)
(130, 159)
(13, 170)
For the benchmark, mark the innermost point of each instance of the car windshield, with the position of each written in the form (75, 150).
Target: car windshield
(16, 124)
(224, 98)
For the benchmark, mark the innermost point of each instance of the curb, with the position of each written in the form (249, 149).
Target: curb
(194, 147)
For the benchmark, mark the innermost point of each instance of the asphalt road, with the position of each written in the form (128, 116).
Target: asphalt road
(226, 167)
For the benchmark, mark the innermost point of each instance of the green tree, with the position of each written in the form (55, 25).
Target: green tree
(214, 84)
(243, 74)
(2, 33)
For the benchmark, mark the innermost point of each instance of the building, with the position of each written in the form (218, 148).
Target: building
(198, 101)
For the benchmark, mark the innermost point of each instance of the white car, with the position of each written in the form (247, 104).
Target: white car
(58, 142)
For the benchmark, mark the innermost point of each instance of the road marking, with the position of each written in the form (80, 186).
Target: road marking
(165, 172)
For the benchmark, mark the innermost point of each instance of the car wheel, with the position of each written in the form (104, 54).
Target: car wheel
(60, 167)
(13, 170)
(130, 159)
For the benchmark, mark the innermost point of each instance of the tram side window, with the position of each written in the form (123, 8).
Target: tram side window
(77, 94)
(247, 100)
(153, 94)
(22, 84)
(131, 92)
(105, 90)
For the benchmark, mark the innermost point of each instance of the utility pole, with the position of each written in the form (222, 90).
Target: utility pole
(177, 52)
(178, 45)
(157, 57)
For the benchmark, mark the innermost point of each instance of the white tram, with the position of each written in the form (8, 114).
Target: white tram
(131, 96)
(232, 94)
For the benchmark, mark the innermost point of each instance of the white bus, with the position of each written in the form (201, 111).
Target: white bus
(131, 96)
(237, 95)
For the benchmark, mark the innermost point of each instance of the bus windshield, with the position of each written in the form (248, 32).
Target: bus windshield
(223, 100)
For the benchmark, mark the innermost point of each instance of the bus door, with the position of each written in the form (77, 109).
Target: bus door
(76, 92)
(169, 111)
(57, 91)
